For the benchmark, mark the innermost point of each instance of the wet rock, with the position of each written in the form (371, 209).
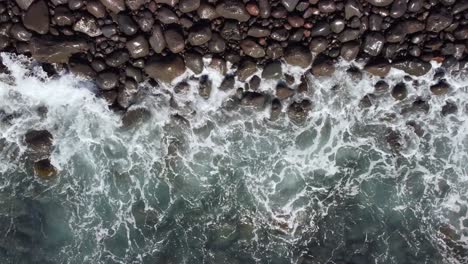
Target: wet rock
(297, 55)
(199, 35)
(115, 6)
(396, 34)
(24, 4)
(349, 35)
(127, 25)
(174, 40)
(381, 87)
(44, 169)
(296, 21)
(39, 143)
(275, 51)
(168, 2)
(283, 91)
(318, 45)
(134, 73)
(36, 17)
(194, 61)
(254, 99)
(320, 29)
(415, 5)
(252, 9)
(205, 87)
(107, 80)
(82, 70)
(56, 50)
(327, 6)
(63, 17)
(138, 47)
(290, 5)
(146, 21)
(337, 25)
(18, 32)
(373, 43)
(412, 26)
(412, 66)
(231, 31)
(207, 11)
(398, 8)
(109, 30)
(232, 9)
(279, 34)
(75, 4)
(438, 21)
(264, 8)
(227, 83)
(182, 88)
(350, 50)
(166, 68)
(375, 22)
(272, 70)
(246, 69)
(254, 82)
(218, 64)
(187, 6)
(117, 58)
(88, 26)
(135, 117)
(352, 8)
(461, 33)
(440, 88)
(252, 49)
(354, 73)
(380, 2)
(95, 8)
(275, 110)
(156, 40)
(379, 67)
(299, 111)
(323, 66)
(449, 108)
(167, 16)
(258, 32)
(460, 6)
(399, 92)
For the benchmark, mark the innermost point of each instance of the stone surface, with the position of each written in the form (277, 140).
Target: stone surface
(138, 47)
(232, 9)
(114, 6)
(56, 50)
(298, 56)
(37, 18)
(413, 66)
(165, 69)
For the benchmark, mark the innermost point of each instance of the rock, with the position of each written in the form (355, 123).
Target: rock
(138, 47)
(280, 34)
(323, 66)
(56, 50)
(194, 61)
(440, 88)
(264, 8)
(327, 6)
(88, 26)
(82, 70)
(379, 67)
(318, 45)
(18, 32)
(246, 69)
(182, 88)
(187, 6)
(348, 35)
(127, 25)
(109, 30)
(174, 40)
(36, 17)
(218, 64)
(415, 5)
(95, 8)
(352, 8)
(337, 25)
(115, 6)
(24, 4)
(252, 9)
(199, 35)
(63, 17)
(134, 73)
(107, 80)
(252, 49)
(275, 109)
(205, 87)
(283, 91)
(398, 8)
(380, 2)
(298, 56)
(449, 108)
(232, 9)
(167, 16)
(438, 21)
(399, 92)
(275, 51)
(412, 66)
(460, 6)
(254, 82)
(350, 50)
(146, 21)
(373, 43)
(412, 26)
(320, 29)
(39, 143)
(135, 4)
(75, 4)
(375, 22)
(258, 32)
(165, 69)
(231, 31)
(461, 33)
(254, 99)
(296, 21)
(156, 40)
(272, 70)
(227, 83)
(44, 169)
(381, 87)
(117, 58)
(207, 11)
(289, 4)
(299, 111)
(135, 117)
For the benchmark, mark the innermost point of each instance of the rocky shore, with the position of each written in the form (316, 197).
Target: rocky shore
(121, 43)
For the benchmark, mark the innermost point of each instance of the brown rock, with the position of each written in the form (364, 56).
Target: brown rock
(115, 6)
(165, 68)
(36, 17)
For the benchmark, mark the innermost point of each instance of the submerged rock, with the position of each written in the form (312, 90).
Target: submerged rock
(440, 88)
(39, 143)
(135, 117)
(254, 99)
(44, 169)
(299, 111)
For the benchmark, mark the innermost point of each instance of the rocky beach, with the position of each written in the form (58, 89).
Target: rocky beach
(230, 131)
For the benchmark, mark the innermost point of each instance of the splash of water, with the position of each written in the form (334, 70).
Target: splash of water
(226, 184)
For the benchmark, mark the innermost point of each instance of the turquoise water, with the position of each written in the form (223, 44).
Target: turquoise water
(226, 184)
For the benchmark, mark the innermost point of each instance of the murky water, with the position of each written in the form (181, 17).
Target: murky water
(383, 184)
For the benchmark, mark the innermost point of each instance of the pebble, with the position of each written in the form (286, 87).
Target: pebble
(258, 32)
(232, 9)
(18, 32)
(380, 3)
(319, 44)
(352, 8)
(115, 6)
(252, 49)
(350, 50)
(337, 25)
(146, 21)
(207, 11)
(252, 9)
(296, 55)
(323, 66)
(264, 8)
(156, 40)
(440, 88)
(290, 5)
(167, 16)
(298, 112)
(88, 25)
(283, 91)
(107, 80)
(413, 66)
(138, 47)
(438, 21)
(95, 8)
(187, 6)
(117, 58)
(272, 70)
(165, 69)
(379, 67)
(320, 29)
(174, 40)
(399, 92)
(199, 35)
(127, 25)
(24, 4)
(373, 43)
(217, 44)
(327, 6)
(349, 35)
(194, 61)
(63, 17)
(135, 4)
(246, 69)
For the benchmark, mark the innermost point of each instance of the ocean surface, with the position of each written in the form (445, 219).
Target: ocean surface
(385, 183)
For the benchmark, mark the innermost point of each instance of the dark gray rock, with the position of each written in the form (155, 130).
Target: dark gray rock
(349, 35)
(146, 21)
(117, 58)
(320, 29)
(227, 83)
(327, 6)
(232, 9)
(156, 40)
(265, 8)
(298, 112)
(205, 86)
(461, 33)
(96, 8)
(400, 92)
(398, 8)
(135, 117)
(63, 17)
(231, 31)
(272, 70)
(194, 61)
(115, 6)
(373, 43)
(167, 16)
(107, 80)
(127, 25)
(18, 32)
(375, 22)
(258, 32)
(174, 40)
(88, 25)
(187, 6)
(438, 21)
(440, 88)
(39, 143)
(283, 91)
(217, 44)
(337, 25)
(254, 100)
(323, 66)
(246, 69)
(56, 50)
(24, 4)
(350, 50)
(138, 47)
(109, 30)
(199, 35)
(297, 55)
(135, 4)
(275, 51)
(290, 5)
(254, 82)
(412, 66)
(207, 11)
(252, 49)
(352, 8)
(380, 2)
(460, 6)
(378, 67)
(318, 45)
(415, 5)
(165, 69)
(279, 34)
(37, 18)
